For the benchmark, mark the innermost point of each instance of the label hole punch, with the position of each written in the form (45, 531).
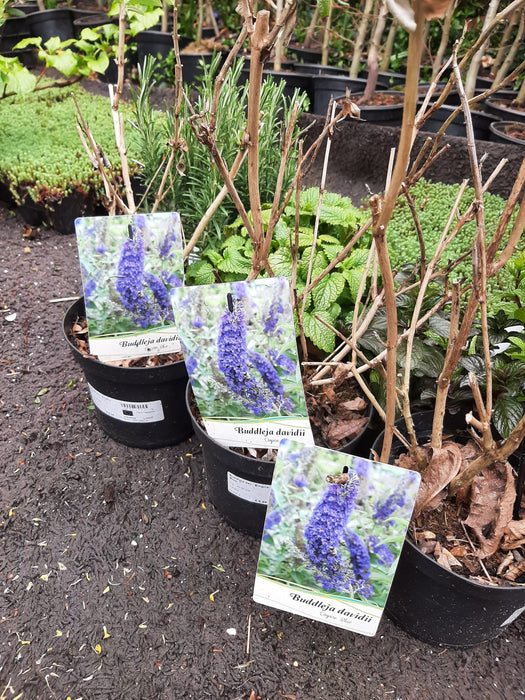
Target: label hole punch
(229, 299)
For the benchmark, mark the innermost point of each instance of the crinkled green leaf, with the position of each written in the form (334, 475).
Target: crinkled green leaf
(234, 261)
(200, 272)
(353, 277)
(234, 241)
(319, 334)
(281, 262)
(327, 290)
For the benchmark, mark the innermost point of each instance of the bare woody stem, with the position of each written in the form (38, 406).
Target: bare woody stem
(259, 41)
(415, 47)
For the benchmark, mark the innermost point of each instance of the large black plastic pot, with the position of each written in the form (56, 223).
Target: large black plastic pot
(138, 406)
(434, 604)
(238, 485)
(156, 43)
(49, 23)
(382, 114)
(503, 110)
(500, 132)
(327, 86)
(480, 123)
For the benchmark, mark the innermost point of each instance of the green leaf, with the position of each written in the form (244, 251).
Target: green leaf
(439, 325)
(65, 62)
(234, 241)
(98, 65)
(234, 261)
(353, 277)
(214, 257)
(508, 411)
(327, 290)
(18, 79)
(281, 262)
(201, 272)
(319, 334)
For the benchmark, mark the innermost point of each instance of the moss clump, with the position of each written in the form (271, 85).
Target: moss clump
(40, 149)
(434, 202)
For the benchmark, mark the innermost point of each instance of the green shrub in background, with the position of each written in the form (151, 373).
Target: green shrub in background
(40, 150)
(433, 203)
(197, 182)
(333, 298)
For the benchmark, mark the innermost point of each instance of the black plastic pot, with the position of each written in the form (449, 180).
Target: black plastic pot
(192, 67)
(137, 406)
(49, 23)
(502, 109)
(156, 43)
(305, 55)
(294, 80)
(318, 69)
(480, 123)
(434, 604)
(239, 486)
(91, 21)
(14, 30)
(383, 115)
(386, 77)
(327, 86)
(498, 133)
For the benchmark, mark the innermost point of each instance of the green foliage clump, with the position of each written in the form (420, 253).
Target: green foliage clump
(196, 181)
(433, 203)
(334, 296)
(40, 149)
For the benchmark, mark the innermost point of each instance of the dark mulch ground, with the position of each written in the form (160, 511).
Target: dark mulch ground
(110, 555)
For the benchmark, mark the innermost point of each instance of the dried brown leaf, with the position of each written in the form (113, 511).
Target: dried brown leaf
(434, 8)
(443, 465)
(514, 535)
(358, 404)
(344, 428)
(492, 499)
(515, 571)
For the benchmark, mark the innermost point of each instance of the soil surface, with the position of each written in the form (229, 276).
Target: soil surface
(120, 580)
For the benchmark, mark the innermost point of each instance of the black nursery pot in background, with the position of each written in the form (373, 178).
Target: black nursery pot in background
(49, 23)
(137, 406)
(435, 604)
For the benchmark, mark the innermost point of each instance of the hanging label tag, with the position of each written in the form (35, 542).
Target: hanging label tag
(334, 530)
(240, 351)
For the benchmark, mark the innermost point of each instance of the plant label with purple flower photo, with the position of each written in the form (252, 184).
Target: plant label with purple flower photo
(334, 530)
(129, 266)
(240, 349)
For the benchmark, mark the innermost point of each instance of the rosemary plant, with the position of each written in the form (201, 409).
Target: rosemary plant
(195, 182)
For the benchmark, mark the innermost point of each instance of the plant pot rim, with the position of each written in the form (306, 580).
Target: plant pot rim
(254, 460)
(409, 542)
(80, 357)
(498, 127)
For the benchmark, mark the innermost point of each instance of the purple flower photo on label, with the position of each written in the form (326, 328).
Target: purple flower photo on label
(129, 266)
(237, 368)
(342, 526)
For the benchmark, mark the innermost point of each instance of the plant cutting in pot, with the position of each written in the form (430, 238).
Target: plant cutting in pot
(137, 405)
(260, 228)
(480, 486)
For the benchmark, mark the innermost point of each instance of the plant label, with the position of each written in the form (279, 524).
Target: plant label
(129, 266)
(240, 350)
(334, 530)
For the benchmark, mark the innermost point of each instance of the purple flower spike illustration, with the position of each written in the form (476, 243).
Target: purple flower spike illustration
(324, 532)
